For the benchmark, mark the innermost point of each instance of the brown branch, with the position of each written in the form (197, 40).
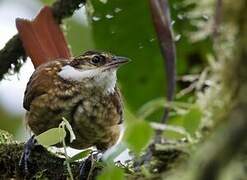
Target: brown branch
(65, 8)
(13, 50)
(162, 23)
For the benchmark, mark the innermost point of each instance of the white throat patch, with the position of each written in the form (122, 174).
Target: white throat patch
(105, 80)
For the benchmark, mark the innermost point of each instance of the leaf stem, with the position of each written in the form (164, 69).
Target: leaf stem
(66, 154)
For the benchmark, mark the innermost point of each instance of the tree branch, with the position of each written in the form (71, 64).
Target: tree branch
(233, 139)
(13, 50)
(65, 8)
(162, 22)
(49, 166)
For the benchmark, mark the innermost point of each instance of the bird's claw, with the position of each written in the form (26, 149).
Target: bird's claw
(25, 161)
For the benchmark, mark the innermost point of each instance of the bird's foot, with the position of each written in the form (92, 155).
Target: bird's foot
(89, 166)
(25, 165)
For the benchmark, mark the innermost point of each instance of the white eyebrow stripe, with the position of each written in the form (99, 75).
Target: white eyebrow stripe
(70, 73)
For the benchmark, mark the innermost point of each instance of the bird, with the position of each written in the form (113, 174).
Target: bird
(83, 89)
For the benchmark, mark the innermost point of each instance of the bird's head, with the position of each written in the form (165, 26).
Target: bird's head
(98, 67)
(97, 61)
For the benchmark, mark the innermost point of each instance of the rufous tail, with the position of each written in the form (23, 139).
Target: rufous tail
(42, 38)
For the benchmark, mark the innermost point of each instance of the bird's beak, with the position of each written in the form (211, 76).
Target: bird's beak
(120, 60)
(117, 61)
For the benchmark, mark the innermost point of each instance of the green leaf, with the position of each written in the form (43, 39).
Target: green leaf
(119, 148)
(51, 137)
(129, 117)
(138, 135)
(80, 155)
(150, 107)
(192, 119)
(68, 126)
(173, 135)
(171, 131)
(176, 121)
(112, 173)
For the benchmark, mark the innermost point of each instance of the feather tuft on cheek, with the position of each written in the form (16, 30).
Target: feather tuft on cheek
(104, 79)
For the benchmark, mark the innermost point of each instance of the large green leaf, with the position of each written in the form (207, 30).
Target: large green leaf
(80, 155)
(137, 135)
(192, 120)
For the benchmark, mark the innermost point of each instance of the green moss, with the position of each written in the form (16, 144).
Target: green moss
(6, 137)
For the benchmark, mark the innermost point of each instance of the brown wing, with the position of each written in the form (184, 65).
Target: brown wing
(117, 100)
(41, 81)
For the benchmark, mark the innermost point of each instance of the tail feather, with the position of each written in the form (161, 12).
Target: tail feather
(42, 38)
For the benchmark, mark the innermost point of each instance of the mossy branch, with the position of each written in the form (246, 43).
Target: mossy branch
(233, 138)
(228, 136)
(49, 166)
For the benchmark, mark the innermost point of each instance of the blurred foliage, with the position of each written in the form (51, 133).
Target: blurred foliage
(112, 173)
(6, 137)
(124, 27)
(10, 122)
(47, 2)
(191, 120)
(138, 135)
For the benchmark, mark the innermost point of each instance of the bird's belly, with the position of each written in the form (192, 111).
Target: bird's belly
(94, 122)
(97, 123)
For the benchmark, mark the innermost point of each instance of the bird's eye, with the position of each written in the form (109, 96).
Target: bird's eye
(98, 60)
